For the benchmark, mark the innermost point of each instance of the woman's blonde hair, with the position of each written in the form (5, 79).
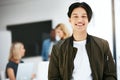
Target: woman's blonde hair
(62, 27)
(15, 51)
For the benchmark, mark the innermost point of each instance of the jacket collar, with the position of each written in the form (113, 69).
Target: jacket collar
(72, 39)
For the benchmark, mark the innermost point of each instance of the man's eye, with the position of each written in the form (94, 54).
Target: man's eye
(75, 16)
(84, 16)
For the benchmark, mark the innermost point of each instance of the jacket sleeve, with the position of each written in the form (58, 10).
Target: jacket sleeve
(109, 64)
(53, 70)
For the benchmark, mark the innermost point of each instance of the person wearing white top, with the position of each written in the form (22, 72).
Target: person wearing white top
(81, 56)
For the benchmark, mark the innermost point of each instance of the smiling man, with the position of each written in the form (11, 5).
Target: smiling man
(81, 56)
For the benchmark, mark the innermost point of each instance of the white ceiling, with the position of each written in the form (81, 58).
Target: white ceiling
(10, 2)
(5, 2)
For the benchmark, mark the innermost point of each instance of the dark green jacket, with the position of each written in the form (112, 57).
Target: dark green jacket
(101, 61)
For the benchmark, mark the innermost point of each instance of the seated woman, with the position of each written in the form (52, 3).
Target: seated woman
(17, 51)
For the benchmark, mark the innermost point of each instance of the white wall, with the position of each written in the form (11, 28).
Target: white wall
(5, 42)
(33, 10)
(56, 10)
(117, 26)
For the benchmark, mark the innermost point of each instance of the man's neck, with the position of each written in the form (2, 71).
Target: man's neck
(80, 37)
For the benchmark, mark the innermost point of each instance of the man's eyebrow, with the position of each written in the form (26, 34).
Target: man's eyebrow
(77, 14)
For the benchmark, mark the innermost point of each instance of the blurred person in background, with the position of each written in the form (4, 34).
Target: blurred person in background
(17, 51)
(61, 32)
(47, 46)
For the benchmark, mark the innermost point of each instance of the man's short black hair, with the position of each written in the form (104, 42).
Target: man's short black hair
(83, 5)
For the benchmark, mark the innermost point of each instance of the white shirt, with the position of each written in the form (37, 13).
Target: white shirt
(50, 48)
(82, 70)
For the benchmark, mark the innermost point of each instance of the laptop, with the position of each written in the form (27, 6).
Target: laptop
(25, 71)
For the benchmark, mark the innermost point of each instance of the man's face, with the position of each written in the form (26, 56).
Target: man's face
(79, 19)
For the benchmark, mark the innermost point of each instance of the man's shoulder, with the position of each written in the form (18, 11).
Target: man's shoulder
(98, 40)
